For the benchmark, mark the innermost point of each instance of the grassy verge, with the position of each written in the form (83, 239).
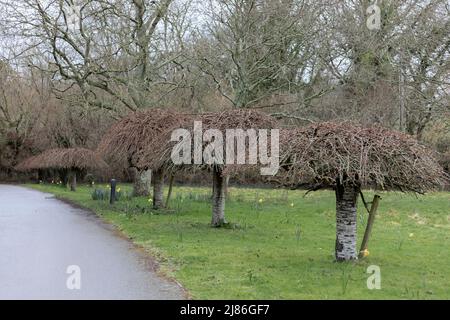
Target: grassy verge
(281, 244)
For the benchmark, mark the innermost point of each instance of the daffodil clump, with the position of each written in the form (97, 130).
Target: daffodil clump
(365, 253)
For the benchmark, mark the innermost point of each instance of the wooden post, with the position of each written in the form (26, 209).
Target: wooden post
(370, 221)
(227, 182)
(112, 197)
(172, 177)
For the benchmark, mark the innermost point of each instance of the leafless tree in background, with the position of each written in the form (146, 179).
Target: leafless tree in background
(258, 53)
(117, 48)
(299, 60)
(395, 76)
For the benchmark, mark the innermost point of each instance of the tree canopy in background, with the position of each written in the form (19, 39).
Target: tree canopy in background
(70, 68)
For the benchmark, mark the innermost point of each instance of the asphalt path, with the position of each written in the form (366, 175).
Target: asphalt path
(52, 250)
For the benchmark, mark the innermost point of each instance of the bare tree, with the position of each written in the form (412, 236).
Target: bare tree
(257, 52)
(347, 158)
(22, 102)
(394, 75)
(101, 47)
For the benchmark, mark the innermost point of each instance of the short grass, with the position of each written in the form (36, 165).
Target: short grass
(281, 243)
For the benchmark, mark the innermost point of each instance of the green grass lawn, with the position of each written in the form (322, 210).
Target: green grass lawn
(281, 244)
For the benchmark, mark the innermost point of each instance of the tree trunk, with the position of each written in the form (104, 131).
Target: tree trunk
(40, 176)
(346, 217)
(142, 181)
(64, 178)
(158, 189)
(218, 205)
(73, 181)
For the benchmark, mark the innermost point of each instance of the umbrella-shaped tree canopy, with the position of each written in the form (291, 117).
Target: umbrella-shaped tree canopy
(73, 158)
(347, 157)
(159, 154)
(70, 161)
(126, 138)
(320, 155)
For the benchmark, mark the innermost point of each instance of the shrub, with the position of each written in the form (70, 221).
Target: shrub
(100, 194)
(123, 195)
(104, 195)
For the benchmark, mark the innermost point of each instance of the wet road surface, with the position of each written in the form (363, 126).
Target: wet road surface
(40, 237)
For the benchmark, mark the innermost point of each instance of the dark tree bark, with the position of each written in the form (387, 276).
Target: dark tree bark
(346, 218)
(40, 176)
(218, 201)
(73, 181)
(158, 189)
(64, 176)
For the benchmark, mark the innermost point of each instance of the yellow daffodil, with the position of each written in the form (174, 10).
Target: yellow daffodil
(260, 200)
(118, 190)
(411, 235)
(365, 253)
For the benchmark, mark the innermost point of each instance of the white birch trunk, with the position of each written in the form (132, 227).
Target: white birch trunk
(346, 218)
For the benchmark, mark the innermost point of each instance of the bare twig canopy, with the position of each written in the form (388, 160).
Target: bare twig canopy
(158, 154)
(318, 155)
(73, 158)
(130, 135)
